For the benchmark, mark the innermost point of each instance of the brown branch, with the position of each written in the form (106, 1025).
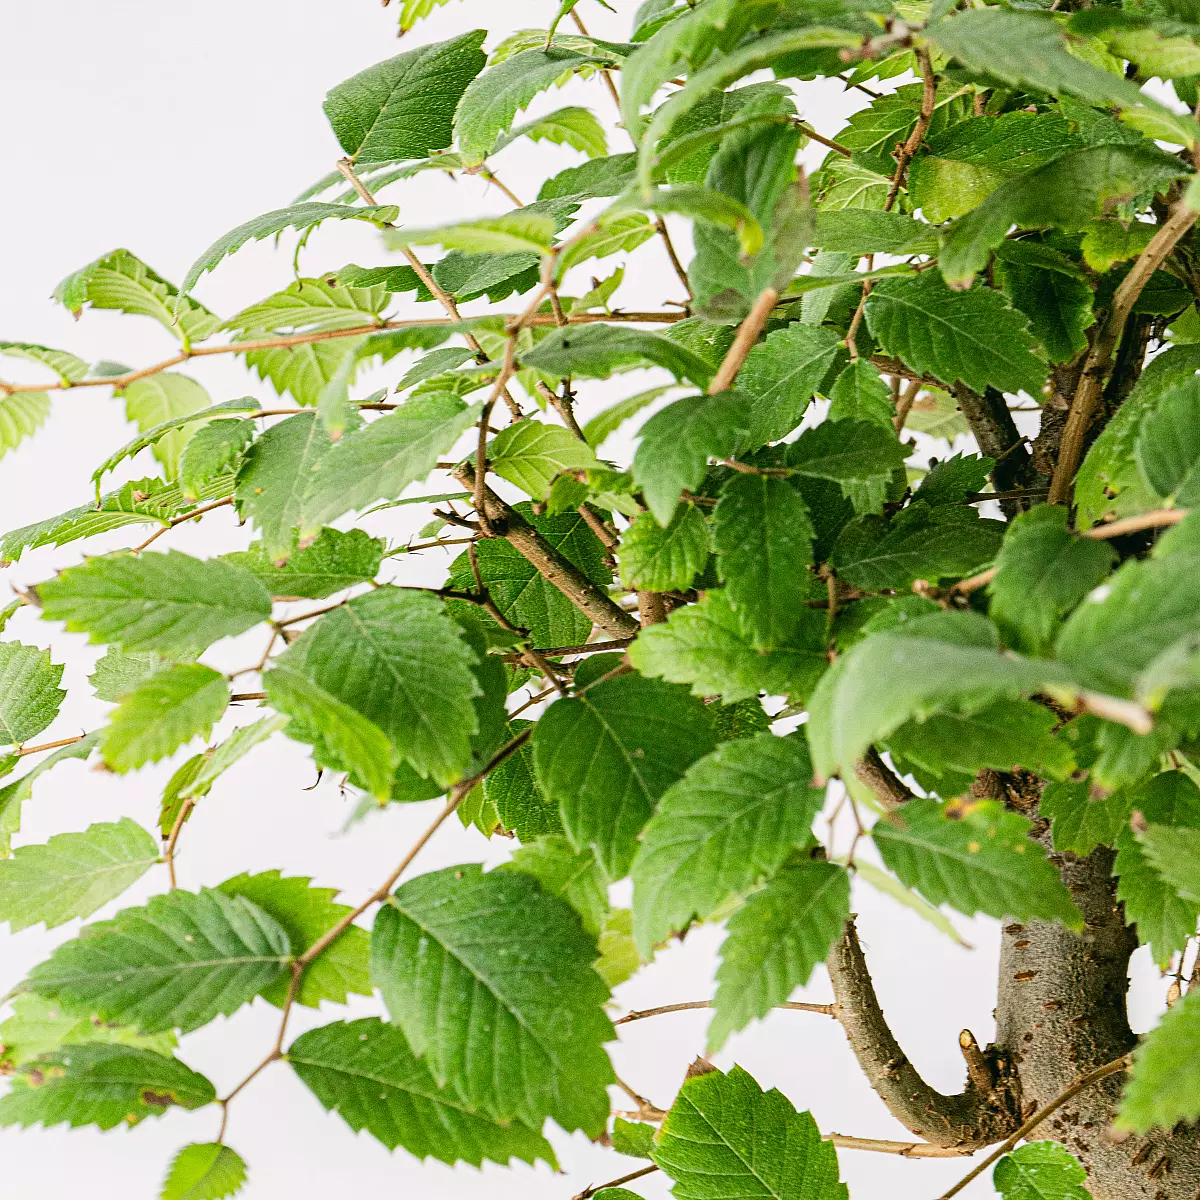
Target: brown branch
(809, 131)
(494, 179)
(904, 404)
(876, 774)
(593, 1188)
(1023, 1131)
(21, 751)
(680, 270)
(747, 334)
(998, 438)
(1099, 359)
(827, 1010)
(173, 838)
(903, 1149)
(196, 512)
(247, 696)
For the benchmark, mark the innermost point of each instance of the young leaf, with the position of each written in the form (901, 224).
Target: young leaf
(1040, 1171)
(608, 755)
(102, 1085)
(531, 453)
(404, 107)
(571, 126)
(331, 564)
(73, 874)
(306, 913)
(597, 351)
(213, 449)
(1043, 571)
(655, 559)
(177, 963)
(713, 1143)
(204, 1171)
(969, 336)
(491, 981)
(29, 693)
(774, 941)
(68, 367)
(152, 402)
(172, 603)
(729, 823)
(398, 659)
(976, 857)
(367, 1072)
(21, 415)
(1164, 1084)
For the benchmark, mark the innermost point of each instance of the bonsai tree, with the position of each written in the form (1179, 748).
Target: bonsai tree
(662, 667)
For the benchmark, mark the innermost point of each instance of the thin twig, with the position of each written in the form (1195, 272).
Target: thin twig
(592, 1189)
(173, 838)
(747, 334)
(247, 696)
(196, 512)
(494, 179)
(809, 131)
(680, 270)
(826, 1010)
(904, 406)
(1082, 1083)
(70, 741)
(903, 1149)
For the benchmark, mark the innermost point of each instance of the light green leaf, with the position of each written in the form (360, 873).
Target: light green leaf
(204, 1171)
(889, 885)
(13, 795)
(456, 951)
(728, 824)
(162, 398)
(22, 414)
(1167, 450)
(331, 564)
(170, 602)
(68, 367)
(531, 453)
(578, 128)
(29, 693)
(608, 755)
(976, 857)
(1040, 1171)
(367, 1072)
(510, 233)
(1164, 1083)
(73, 874)
(619, 959)
(213, 449)
(404, 107)
(774, 941)
(607, 422)
(714, 1144)
(859, 232)
(616, 236)
(655, 559)
(597, 351)
(103, 1085)
(936, 413)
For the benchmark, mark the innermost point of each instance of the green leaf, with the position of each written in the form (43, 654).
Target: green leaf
(1043, 571)
(518, 232)
(861, 456)
(1051, 291)
(846, 184)
(163, 398)
(608, 755)
(101, 1085)
(379, 460)
(404, 107)
(306, 914)
(204, 1171)
(976, 857)
(68, 367)
(121, 281)
(531, 453)
(597, 351)
(513, 790)
(575, 127)
(608, 421)
(707, 646)
(1040, 1171)
(527, 599)
(774, 941)
(728, 824)
(677, 443)
(22, 414)
(972, 337)
(859, 394)
(367, 1072)
(1029, 50)
(398, 659)
(947, 662)
(1163, 1086)
(572, 875)
(859, 232)
(1083, 821)
(781, 375)
(331, 564)
(29, 693)
(74, 874)
(492, 101)
(937, 414)
(1067, 193)
(633, 1138)
(13, 795)
(458, 951)
(726, 1138)
(341, 737)
(302, 217)
(177, 963)
(172, 603)
(214, 448)
(655, 559)
(1167, 450)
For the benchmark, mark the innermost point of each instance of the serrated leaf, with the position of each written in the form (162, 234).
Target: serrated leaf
(633, 1138)
(707, 646)
(976, 857)
(512, 789)
(1082, 821)
(728, 824)
(306, 913)
(404, 107)
(214, 448)
(101, 1085)
(302, 217)
(1167, 452)
(859, 394)
(29, 693)
(774, 941)
(1040, 1171)
(725, 1138)
(204, 1171)
(68, 367)
(572, 875)
(576, 127)
(597, 351)
(121, 281)
(331, 564)
(22, 414)
(162, 398)
(1051, 291)
(1163, 1086)
(379, 460)
(655, 559)
(514, 964)
(677, 443)
(367, 1073)
(73, 874)
(517, 232)
(860, 456)
(177, 963)
(601, 177)
(970, 336)
(13, 795)
(1043, 571)
(531, 453)
(171, 602)
(117, 673)
(397, 658)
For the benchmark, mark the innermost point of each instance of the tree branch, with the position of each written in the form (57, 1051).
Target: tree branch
(998, 437)
(828, 1010)
(879, 777)
(747, 334)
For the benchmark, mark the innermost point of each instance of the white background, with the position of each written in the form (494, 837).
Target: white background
(158, 126)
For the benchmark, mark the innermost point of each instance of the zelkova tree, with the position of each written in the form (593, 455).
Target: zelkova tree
(1010, 702)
